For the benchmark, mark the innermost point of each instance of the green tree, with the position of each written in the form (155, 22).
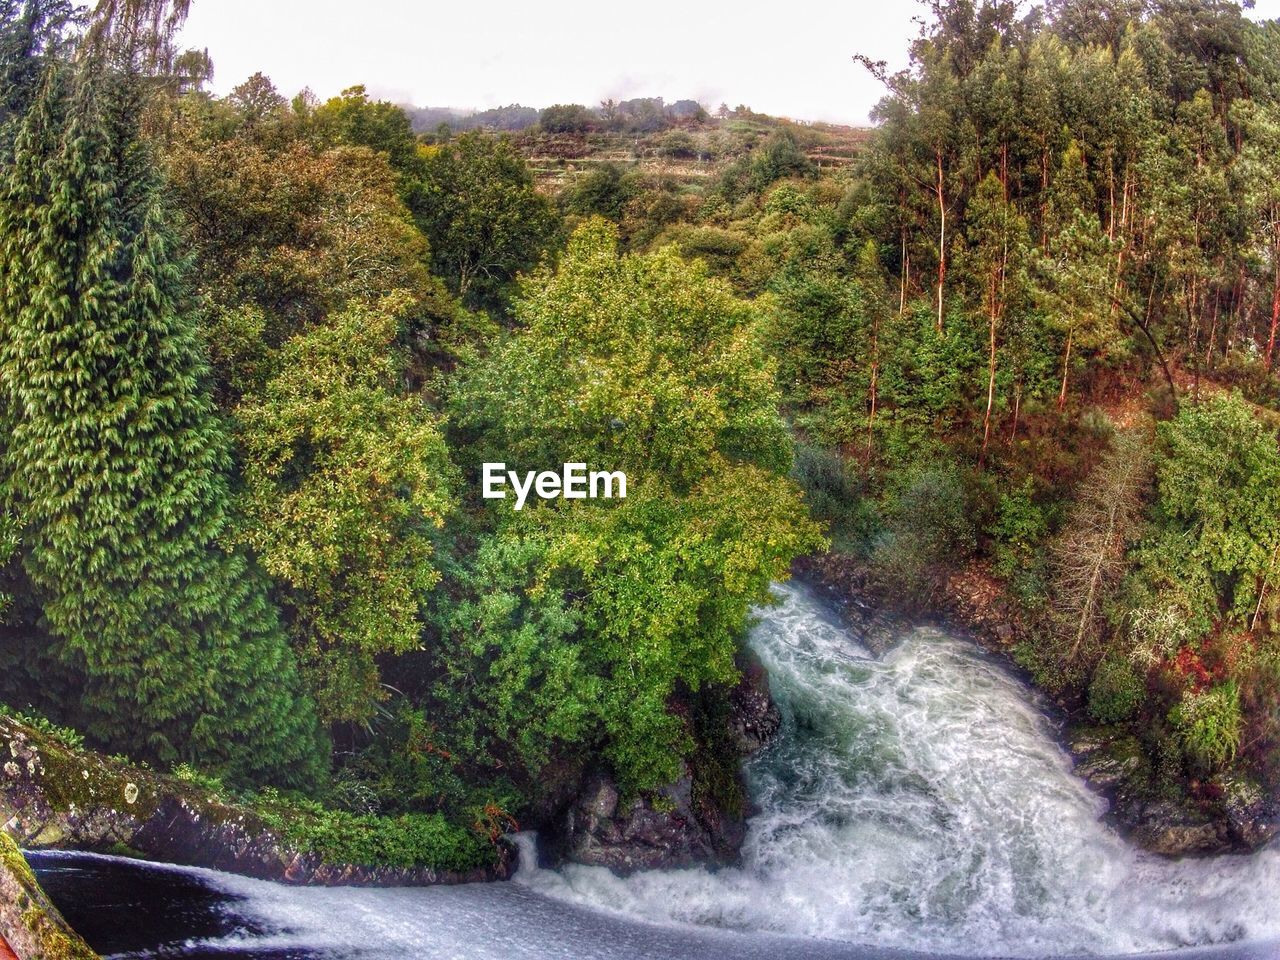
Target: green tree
(117, 467)
(995, 258)
(603, 191)
(30, 31)
(1077, 278)
(345, 482)
(642, 364)
(567, 118)
(482, 215)
(351, 119)
(1214, 549)
(283, 239)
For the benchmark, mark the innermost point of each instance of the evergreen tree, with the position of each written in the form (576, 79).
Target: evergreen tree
(117, 466)
(29, 30)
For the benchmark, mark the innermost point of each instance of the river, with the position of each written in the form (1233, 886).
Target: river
(915, 804)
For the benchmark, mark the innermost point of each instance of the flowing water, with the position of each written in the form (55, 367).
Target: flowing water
(916, 803)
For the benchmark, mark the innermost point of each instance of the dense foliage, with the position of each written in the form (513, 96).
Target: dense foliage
(116, 464)
(256, 350)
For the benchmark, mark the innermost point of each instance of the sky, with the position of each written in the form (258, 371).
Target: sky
(792, 59)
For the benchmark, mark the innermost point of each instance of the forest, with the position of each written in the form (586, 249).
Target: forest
(254, 351)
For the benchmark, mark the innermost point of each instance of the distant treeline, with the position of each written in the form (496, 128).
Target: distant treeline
(638, 115)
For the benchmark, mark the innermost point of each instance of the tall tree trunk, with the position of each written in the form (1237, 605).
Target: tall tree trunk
(1213, 329)
(1275, 309)
(906, 275)
(991, 389)
(871, 418)
(1044, 194)
(1066, 370)
(942, 237)
(1017, 409)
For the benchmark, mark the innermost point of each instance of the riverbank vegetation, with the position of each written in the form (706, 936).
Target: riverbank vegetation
(255, 350)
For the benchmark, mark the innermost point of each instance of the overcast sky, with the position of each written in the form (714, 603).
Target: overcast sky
(790, 59)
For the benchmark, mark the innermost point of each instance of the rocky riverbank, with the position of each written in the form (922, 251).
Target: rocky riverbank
(1228, 814)
(55, 797)
(699, 820)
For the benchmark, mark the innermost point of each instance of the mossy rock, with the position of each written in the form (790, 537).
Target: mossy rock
(53, 796)
(29, 922)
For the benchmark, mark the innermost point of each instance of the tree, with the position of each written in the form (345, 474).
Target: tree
(257, 100)
(1077, 277)
(1089, 557)
(665, 377)
(870, 277)
(30, 30)
(285, 239)
(995, 257)
(117, 467)
(1217, 536)
(1259, 175)
(642, 364)
(136, 27)
(345, 482)
(604, 191)
(192, 69)
(482, 215)
(352, 119)
(567, 118)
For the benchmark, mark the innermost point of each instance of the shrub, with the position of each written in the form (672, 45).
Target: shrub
(1208, 723)
(410, 840)
(678, 144)
(1116, 691)
(833, 495)
(1020, 526)
(567, 118)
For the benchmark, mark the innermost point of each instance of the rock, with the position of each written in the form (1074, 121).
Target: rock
(660, 831)
(1109, 764)
(754, 718)
(1252, 816)
(697, 820)
(30, 926)
(54, 797)
(1177, 830)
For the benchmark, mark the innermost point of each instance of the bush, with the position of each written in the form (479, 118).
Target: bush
(567, 118)
(931, 522)
(1208, 723)
(832, 494)
(410, 840)
(678, 144)
(1116, 691)
(1019, 528)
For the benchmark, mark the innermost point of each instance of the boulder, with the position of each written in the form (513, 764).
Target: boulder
(699, 820)
(30, 926)
(1252, 816)
(659, 831)
(1178, 830)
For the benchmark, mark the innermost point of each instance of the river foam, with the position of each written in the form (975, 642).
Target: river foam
(920, 801)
